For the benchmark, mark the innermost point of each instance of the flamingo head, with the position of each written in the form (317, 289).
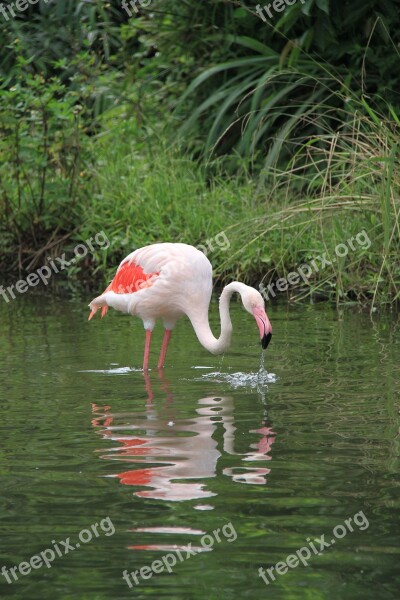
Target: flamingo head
(254, 304)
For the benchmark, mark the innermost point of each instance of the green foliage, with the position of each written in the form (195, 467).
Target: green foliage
(43, 150)
(351, 177)
(74, 43)
(275, 72)
(48, 32)
(148, 192)
(297, 117)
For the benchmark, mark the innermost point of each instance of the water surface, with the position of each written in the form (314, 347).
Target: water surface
(203, 446)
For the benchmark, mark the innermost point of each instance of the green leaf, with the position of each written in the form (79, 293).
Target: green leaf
(323, 5)
(252, 44)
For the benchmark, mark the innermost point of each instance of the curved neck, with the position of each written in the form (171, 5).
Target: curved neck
(199, 319)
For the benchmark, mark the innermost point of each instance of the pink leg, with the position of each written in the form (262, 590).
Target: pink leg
(161, 360)
(147, 384)
(147, 350)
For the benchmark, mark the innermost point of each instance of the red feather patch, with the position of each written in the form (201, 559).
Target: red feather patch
(130, 278)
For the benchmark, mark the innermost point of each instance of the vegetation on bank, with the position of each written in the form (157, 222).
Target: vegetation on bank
(182, 123)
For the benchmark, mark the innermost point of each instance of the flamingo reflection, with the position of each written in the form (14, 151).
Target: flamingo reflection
(172, 450)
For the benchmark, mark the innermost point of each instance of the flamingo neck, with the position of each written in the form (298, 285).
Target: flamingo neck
(201, 324)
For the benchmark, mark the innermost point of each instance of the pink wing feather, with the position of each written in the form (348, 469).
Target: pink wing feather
(129, 278)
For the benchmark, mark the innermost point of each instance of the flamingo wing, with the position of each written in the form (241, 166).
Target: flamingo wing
(129, 278)
(181, 272)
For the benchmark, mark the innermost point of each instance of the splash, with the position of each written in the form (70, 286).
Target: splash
(263, 377)
(241, 380)
(259, 380)
(115, 371)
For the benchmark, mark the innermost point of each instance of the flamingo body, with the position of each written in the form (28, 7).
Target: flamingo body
(167, 280)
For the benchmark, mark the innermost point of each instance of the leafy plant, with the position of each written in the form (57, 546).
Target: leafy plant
(43, 150)
(280, 70)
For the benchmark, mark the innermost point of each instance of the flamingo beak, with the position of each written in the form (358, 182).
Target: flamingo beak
(263, 325)
(266, 340)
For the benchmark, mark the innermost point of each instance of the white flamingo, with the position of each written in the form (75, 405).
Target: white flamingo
(166, 281)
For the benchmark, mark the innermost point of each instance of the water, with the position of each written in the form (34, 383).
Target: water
(247, 465)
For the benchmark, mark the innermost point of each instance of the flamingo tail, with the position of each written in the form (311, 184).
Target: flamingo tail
(97, 303)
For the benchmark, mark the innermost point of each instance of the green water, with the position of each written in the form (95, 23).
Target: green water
(158, 462)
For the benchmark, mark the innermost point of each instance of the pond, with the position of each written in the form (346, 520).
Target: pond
(204, 480)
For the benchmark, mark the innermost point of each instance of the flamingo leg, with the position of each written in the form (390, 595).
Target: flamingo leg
(163, 353)
(147, 350)
(147, 383)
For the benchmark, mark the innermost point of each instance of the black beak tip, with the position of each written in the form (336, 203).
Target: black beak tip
(265, 340)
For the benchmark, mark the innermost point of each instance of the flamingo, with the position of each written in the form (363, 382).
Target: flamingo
(167, 280)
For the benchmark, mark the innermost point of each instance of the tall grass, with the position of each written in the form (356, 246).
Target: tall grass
(275, 73)
(64, 180)
(139, 190)
(152, 192)
(338, 183)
